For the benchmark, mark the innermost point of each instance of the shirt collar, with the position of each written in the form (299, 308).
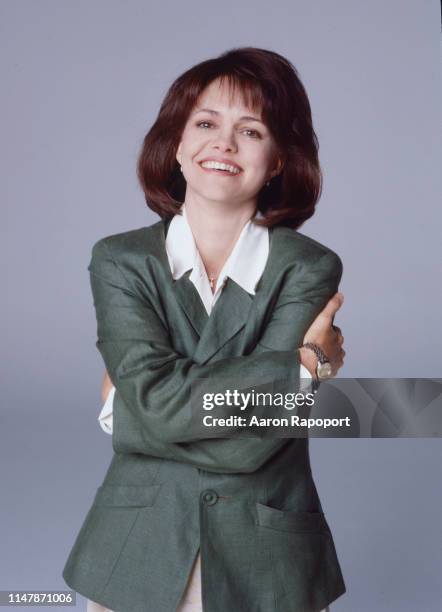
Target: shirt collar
(244, 265)
(180, 245)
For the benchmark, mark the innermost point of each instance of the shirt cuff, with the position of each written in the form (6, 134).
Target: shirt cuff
(105, 418)
(303, 372)
(305, 377)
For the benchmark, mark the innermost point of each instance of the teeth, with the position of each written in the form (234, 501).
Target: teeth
(220, 166)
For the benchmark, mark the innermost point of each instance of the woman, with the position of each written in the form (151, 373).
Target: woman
(222, 293)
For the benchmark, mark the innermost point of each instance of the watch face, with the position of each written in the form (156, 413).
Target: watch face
(324, 370)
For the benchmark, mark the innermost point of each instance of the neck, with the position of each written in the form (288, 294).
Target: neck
(216, 227)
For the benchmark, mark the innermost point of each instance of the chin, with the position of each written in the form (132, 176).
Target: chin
(220, 194)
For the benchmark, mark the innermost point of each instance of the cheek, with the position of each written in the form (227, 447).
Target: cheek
(186, 141)
(192, 148)
(260, 158)
(259, 165)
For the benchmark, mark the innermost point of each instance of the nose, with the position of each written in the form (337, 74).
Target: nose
(225, 141)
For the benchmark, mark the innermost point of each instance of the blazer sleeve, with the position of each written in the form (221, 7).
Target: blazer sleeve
(236, 455)
(154, 382)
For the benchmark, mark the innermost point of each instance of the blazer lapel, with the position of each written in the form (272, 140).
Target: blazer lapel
(228, 316)
(184, 290)
(190, 301)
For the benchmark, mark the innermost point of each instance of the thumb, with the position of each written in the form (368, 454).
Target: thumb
(333, 305)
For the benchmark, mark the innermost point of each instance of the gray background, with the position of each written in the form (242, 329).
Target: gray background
(81, 84)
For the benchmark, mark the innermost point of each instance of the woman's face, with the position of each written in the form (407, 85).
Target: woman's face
(231, 133)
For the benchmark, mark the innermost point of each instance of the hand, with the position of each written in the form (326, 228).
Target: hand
(106, 386)
(328, 338)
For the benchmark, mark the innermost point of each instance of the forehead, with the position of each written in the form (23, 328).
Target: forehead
(222, 94)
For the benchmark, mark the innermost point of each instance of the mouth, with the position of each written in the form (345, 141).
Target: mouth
(220, 168)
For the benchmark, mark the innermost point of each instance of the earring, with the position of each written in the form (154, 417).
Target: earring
(268, 183)
(181, 168)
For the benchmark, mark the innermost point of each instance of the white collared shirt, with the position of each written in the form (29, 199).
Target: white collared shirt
(244, 265)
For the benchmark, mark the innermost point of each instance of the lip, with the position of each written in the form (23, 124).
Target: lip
(222, 160)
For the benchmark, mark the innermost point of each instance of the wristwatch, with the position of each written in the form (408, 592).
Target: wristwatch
(323, 368)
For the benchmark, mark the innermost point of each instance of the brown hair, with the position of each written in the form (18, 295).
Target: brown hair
(269, 83)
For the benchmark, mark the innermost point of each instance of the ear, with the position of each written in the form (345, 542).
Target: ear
(178, 154)
(278, 169)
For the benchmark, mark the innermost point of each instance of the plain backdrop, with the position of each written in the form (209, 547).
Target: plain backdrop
(81, 84)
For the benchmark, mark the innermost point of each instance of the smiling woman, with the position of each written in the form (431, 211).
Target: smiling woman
(222, 293)
(256, 98)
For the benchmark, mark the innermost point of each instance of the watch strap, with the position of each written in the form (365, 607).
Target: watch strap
(322, 357)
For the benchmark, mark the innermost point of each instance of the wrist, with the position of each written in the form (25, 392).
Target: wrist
(308, 360)
(323, 366)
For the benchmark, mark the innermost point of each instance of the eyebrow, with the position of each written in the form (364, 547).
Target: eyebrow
(214, 112)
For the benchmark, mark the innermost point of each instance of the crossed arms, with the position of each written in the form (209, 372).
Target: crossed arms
(153, 382)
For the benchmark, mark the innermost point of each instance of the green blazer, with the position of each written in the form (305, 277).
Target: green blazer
(249, 503)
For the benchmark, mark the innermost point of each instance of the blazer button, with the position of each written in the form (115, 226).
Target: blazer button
(209, 497)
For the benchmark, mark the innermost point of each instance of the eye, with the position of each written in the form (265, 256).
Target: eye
(257, 134)
(203, 123)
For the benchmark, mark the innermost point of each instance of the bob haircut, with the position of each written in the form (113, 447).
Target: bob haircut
(269, 85)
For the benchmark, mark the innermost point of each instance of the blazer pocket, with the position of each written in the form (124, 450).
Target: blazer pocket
(289, 520)
(126, 495)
